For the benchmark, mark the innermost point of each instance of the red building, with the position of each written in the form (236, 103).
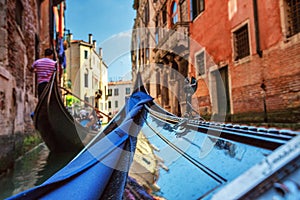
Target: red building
(255, 48)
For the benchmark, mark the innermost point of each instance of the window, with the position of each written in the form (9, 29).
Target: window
(147, 55)
(109, 92)
(241, 43)
(197, 7)
(109, 104)
(116, 92)
(86, 54)
(200, 63)
(156, 29)
(174, 13)
(156, 37)
(292, 17)
(164, 15)
(19, 13)
(86, 80)
(146, 14)
(86, 99)
(127, 91)
(116, 104)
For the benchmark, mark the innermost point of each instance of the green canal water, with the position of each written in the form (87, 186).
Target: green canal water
(32, 169)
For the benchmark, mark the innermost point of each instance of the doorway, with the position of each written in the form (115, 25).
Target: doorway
(221, 86)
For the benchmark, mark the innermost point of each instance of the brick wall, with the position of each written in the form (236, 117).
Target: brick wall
(17, 84)
(278, 68)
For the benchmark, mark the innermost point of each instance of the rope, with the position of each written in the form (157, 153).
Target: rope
(195, 162)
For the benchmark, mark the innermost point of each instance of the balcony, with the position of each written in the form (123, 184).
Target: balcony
(173, 40)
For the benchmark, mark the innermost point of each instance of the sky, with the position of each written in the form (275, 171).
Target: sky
(110, 22)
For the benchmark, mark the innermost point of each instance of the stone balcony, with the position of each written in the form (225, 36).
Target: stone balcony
(173, 40)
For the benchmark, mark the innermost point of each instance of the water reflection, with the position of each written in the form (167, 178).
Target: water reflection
(32, 169)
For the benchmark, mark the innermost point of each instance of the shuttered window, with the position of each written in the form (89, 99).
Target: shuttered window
(109, 92)
(200, 63)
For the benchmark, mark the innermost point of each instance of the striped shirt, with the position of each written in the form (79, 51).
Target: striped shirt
(44, 68)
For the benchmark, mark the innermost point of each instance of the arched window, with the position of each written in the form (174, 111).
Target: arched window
(174, 12)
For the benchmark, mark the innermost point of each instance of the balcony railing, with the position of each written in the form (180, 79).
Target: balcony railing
(169, 39)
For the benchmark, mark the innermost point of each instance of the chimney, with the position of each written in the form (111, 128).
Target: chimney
(94, 43)
(90, 38)
(100, 52)
(70, 37)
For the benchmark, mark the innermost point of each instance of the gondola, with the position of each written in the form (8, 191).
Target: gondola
(100, 170)
(190, 169)
(57, 127)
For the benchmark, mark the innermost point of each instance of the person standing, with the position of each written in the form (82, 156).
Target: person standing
(44, 68)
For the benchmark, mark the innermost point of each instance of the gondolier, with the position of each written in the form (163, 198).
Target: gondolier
(44, 68)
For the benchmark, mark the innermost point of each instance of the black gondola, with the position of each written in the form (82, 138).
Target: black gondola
(57, 127)
(100, 170)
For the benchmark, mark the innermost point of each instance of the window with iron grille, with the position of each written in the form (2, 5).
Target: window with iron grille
(293, 17)
(197, 7)
(241, 43)
(200, 63)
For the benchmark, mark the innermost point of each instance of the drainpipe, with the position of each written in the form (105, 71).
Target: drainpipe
(256, 24)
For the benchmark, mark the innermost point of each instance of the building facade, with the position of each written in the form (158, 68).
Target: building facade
(160, 37)
(118, 91)
(86, 73)
(27, 29)
(244, 55)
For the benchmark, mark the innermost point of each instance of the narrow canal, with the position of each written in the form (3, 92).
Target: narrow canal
(32, 169)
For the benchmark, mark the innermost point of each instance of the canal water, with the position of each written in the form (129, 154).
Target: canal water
(32, 169)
